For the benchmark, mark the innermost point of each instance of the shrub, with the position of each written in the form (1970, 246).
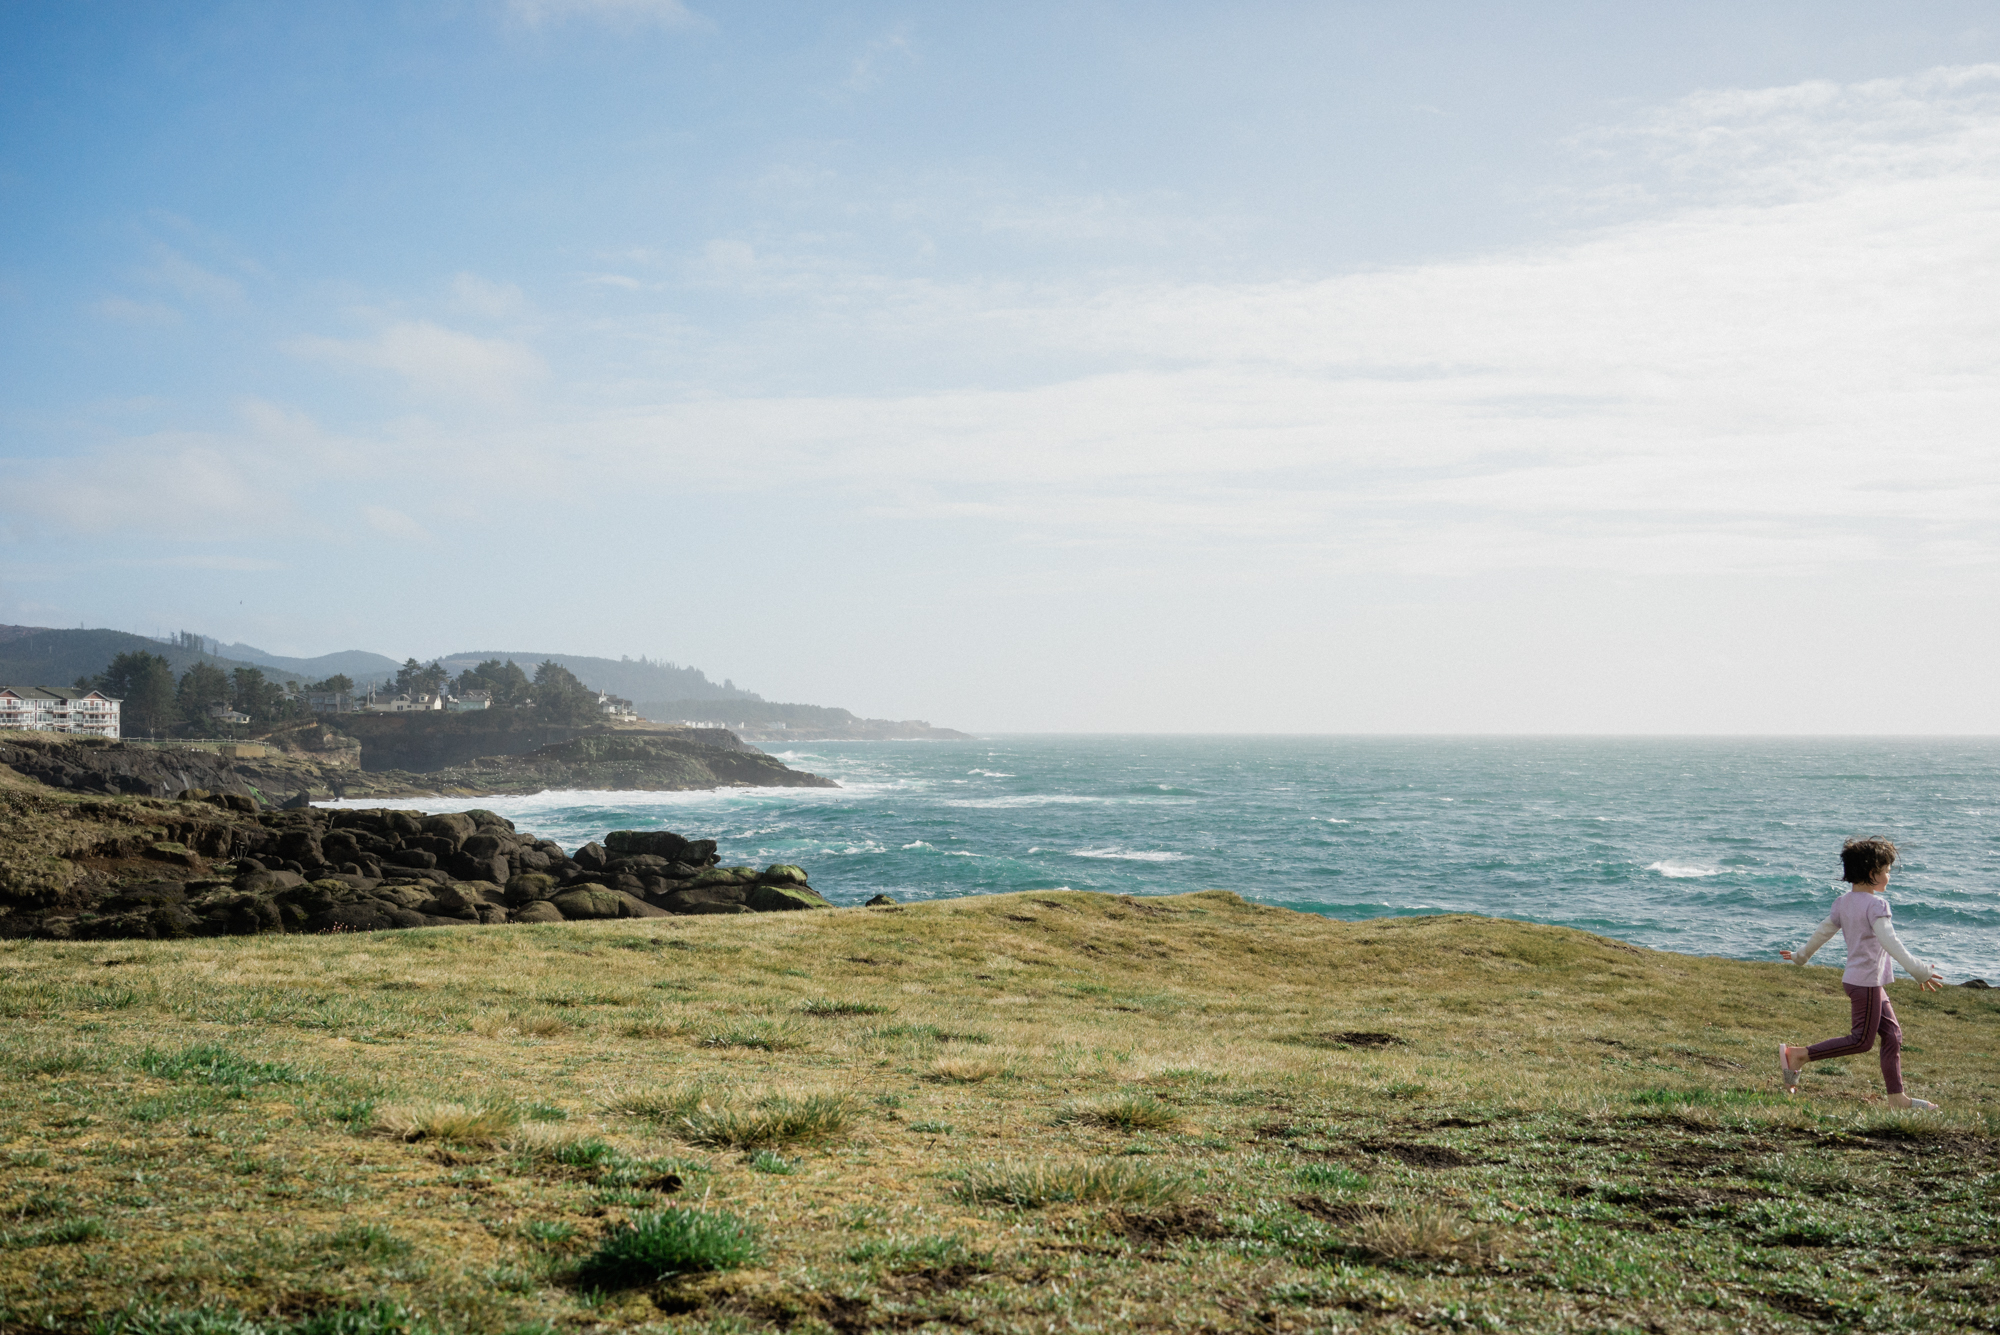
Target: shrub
(650, 1247)
(1030, 1186)
(452, 1123)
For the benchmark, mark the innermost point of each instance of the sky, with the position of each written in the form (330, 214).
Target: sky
(1417, 368)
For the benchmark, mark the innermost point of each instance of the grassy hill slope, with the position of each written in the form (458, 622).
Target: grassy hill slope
(1053, 1111)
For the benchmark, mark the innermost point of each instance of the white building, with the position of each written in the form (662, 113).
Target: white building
(469, 702)
(40, 709)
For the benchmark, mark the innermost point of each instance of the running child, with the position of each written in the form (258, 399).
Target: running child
(1862, 915)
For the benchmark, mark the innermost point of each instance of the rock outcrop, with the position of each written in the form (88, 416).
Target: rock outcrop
(326, 766)
(114, 768)
(214, 865)
(631, 761)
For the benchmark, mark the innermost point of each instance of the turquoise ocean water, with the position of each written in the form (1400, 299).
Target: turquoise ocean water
(1710, 846)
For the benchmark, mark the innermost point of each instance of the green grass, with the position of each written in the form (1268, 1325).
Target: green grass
(1031, 1186)
(1131, 1112)
(363, 1130)
(832, 1006)
(653, 1246)
(1329, 1177)
(213, 1064)
(775, 1120)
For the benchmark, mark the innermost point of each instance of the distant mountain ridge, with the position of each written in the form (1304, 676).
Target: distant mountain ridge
(45, 656)
(356, 663)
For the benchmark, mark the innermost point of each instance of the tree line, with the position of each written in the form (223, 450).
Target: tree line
(156, 703)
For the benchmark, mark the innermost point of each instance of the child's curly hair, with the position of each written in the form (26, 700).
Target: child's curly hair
(1861, 860)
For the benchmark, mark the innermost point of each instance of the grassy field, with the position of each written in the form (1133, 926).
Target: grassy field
(1047, 1112)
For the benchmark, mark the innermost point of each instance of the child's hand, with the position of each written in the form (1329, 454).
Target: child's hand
(1934, 982)
(1788, 957)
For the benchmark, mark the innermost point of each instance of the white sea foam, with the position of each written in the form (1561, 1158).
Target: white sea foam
(1682, 870)
(992, 773)
(919, 844)
(1127, 855)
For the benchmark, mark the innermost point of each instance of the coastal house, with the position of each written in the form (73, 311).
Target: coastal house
(40, 709)
(470, 701)
(331, 702)
(222, 713)
(613, 707)
(401, 704)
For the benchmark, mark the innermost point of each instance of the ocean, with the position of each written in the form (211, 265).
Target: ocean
(1708, 846)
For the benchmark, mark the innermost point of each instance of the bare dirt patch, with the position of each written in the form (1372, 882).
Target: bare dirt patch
(1419, 1155)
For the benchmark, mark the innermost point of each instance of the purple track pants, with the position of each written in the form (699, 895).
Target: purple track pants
(1873, 1015)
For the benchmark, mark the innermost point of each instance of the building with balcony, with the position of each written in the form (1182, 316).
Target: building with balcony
(42, 709)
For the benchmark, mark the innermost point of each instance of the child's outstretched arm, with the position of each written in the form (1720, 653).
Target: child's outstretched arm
(1886, 934)
(1820, 937)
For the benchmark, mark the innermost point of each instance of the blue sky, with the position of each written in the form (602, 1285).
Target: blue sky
(1256, 367)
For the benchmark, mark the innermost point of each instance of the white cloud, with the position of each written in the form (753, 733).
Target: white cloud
(432, 359)
(175, 271)
(484, 297)
(866, 70)
(395, 523)
(1787, 368)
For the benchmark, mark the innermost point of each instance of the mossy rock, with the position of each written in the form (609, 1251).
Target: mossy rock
(783, 873)
(593, 902)
(778, 898)
(528, 887)
(539, 910)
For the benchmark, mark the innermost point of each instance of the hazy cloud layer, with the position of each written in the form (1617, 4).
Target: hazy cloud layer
(1768, 352)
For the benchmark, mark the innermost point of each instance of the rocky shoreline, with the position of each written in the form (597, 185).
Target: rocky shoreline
(213, 865)
(650, 761)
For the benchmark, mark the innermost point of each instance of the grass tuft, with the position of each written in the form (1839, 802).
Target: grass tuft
(758, 1037)
(1427, 1233)
(660, 1103)
(1031, 1186)
(832, 1006)
(371, 1241)
(62, 1233)
(653, 1246)
(451, 1123)
(213, 1064)
(779, 1119)
(964, 1070)
(763, 1161)
(1132, 1112)
(1329, 1177)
